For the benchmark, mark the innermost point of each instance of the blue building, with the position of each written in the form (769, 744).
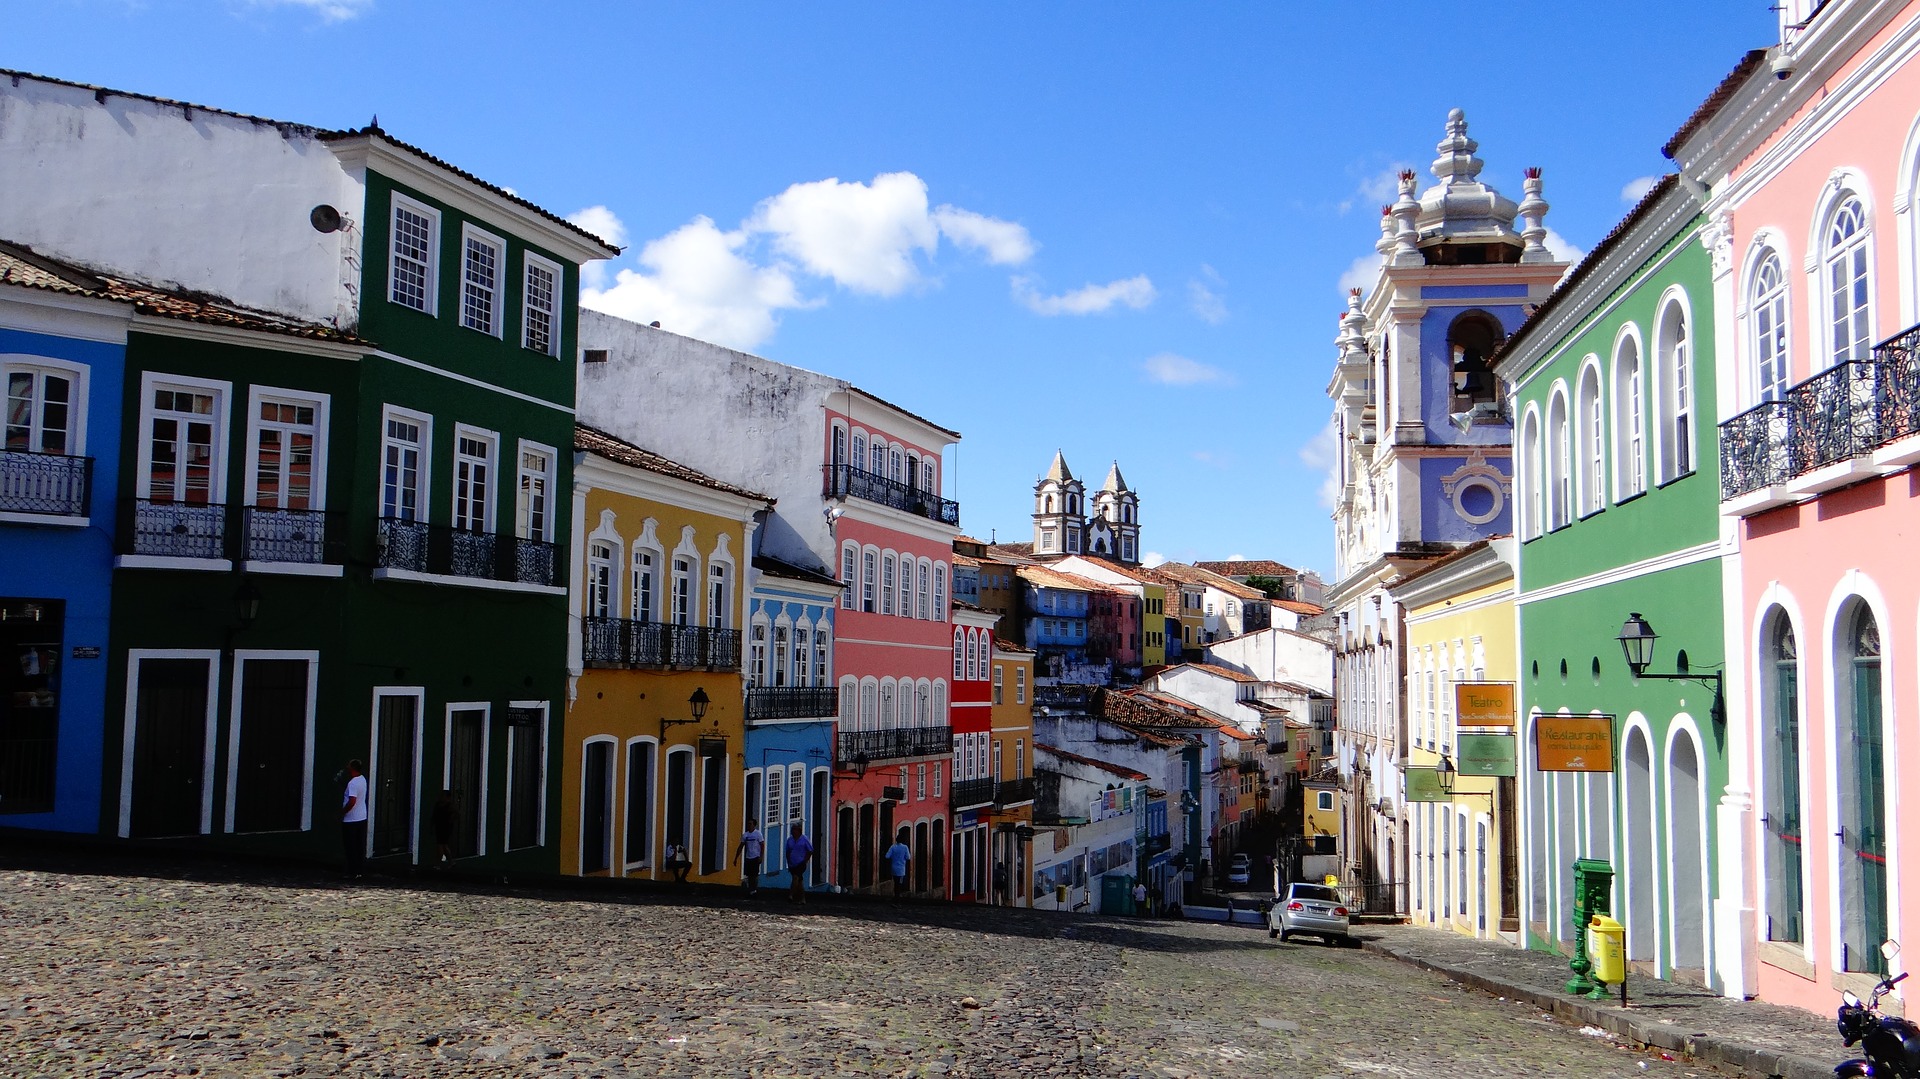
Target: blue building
(791, 709)
(1057, 609)
(63, 338)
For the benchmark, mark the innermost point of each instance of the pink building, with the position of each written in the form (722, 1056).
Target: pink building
(1806, 160)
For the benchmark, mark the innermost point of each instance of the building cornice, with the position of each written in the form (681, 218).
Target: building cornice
(593, 472)
(161, 326)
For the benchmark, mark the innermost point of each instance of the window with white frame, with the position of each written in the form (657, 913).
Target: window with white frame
(526, 775)
(924, 595)
(403, 465)
(999, 683)
(717, 605)
(802, 654)
(898, 461)
(940, 591)
(849, 559)
(682, 591)
(43, 409)
(1629, 448)
(867, 563)
(782, 641)
(796, 792)
(919, 781)
(1673, 395)
(757, 654)
(887, 568)
(482, 258)
(776, 799)
(838, 454)
(859, 458)
(1019, 685)
(1593, 461)
(473, 452)
(600, 579)
(533, 512)
(184, 425)
(1767, 314)
(869, 706)
(1559, 470)
(959, 653)
(284, 452)
(879, 459)
(1849, 303)
(413, 259)
(641, 600)
(888, 718)
(540, 307)
(936, 793)
(822, 641)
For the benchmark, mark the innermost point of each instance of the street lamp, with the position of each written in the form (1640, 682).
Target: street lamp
(246, 604)
(1636, 643)
(1446, 773)
(696, 704)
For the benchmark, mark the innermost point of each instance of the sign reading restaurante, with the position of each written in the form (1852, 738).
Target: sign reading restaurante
(1573, 743)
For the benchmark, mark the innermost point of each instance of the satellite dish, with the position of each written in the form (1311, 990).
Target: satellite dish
(325, 218)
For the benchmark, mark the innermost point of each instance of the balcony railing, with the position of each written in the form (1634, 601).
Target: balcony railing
(173, 529)
(278, 535)
(855, 747)
(44, 483)
(623, 642)
(1013, 791)
(1849, 410)
(846, 481)
(972, 792)
(458, 552)
(792, 702)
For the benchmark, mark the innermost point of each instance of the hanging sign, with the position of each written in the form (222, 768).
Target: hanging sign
(1573, 743)
(1423, 785)
(1486, 755)
(1483, 704)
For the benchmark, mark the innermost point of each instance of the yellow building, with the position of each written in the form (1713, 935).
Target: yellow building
(1462, 835)
(655, 721)
(1012, 816)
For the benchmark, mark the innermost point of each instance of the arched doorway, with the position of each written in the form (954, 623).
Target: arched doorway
(843, 847)
(1782, 851)
(1640, 914)
(865, 856)
(1687, 857)
(1863, 827)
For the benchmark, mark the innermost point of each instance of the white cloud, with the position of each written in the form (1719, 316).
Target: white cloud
(1637, 189)
(329, 10)
(1135, 292)
(1563, 250)
(1222, 461)
(702, 285)
(1151, 559)
(607, 225)
(1206, 302)
(1323, 454)
(1236, 557)
(863, 236)
(1005, 243)
(1170, 369)
(1364, 273)
(1376, 189)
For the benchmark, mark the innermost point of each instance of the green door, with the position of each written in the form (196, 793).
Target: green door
(1863, 832)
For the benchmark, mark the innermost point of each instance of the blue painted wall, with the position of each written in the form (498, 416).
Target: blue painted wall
(805, 742)
(74, 565)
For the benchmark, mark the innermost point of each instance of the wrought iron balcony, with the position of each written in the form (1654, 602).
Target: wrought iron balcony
(44, 483)
(623, 642)
(846, 481)
(870, 747)
(1899, 404)
(792, 702)
(458, 552)
(1834, 416)
(1013, 791)
(278, 535)
(173, 529)
(968, 793)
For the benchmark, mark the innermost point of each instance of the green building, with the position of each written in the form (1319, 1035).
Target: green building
(1619, 518)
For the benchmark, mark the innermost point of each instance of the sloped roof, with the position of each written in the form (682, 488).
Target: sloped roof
(1716, 100)
(1058, 471)
(1215, 670)
(1195, 575)
(1105, 766)
(1299, 606)
(774, 567)
(23, 267)
(1248, 567)
(879, 400)
(1110, 565)
(1049, 578)
(1001, 644)
(601, 444)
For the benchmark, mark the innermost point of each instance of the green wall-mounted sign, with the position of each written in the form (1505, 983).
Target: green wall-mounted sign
(1486, 755)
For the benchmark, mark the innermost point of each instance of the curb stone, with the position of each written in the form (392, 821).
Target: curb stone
(1746, 1059)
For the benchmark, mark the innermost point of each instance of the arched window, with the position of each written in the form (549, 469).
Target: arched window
(959, 654)
(849, 559)
(782, 641)
(1673, 400)
(1629, 439)
(1471, 339)
(888, 716)
(859, 450)
(839, 446)
(757, 652)
(1768, 307)
(1530, 461)
(599, 580)
(886, 583)
(719, 594)
(1863, 824)
(869, 706)
(643, 598)
(879, 459)
(939, 703)
(973, 656)
(926, 572)
(1780, 690)
(867, 561)
(940, 591)
(1559, 464)
(1849, 303)
(1592, 425)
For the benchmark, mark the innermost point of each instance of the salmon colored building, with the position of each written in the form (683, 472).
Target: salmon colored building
(1807, 158)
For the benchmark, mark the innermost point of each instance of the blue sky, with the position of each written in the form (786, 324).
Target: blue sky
(1120, 230)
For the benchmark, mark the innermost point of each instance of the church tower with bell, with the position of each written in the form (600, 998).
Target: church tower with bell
(1114, 531)
(1059, 511)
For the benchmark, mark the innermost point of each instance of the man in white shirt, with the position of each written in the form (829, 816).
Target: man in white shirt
(752, 847)
(353, 820)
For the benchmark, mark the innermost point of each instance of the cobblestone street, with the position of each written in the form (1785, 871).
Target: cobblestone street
(193, 972)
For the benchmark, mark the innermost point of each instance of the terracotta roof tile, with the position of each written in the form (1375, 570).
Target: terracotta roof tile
(1123, 772)
(1218, 671)
(601, 444)
(1248, 567)
(1299, 606)
(1716, 100)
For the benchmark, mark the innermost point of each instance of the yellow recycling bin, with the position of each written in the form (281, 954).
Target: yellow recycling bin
(1607, 945)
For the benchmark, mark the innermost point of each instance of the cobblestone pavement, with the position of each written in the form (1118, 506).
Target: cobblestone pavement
(194, 971)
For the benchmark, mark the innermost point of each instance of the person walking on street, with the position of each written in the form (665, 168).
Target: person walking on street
(897, 857)
(799, 853)
(752, 846)
(353, 821)
(446, 822)
(1140, 898)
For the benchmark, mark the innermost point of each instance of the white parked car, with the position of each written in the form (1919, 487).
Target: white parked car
(1240, 870)
(1313, 909)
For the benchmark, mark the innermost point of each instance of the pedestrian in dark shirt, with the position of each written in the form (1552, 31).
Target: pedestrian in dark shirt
(799, 854)
(446, 822)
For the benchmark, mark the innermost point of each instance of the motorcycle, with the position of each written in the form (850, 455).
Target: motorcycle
(1891, 1043)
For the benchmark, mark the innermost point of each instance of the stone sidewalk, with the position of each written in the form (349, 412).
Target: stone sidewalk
(1766, 1041)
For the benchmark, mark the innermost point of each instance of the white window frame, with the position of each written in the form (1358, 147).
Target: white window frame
(628, 862)
(423, 475)
(491, 507)
(1860, 244)
(430, 271)
(418, 694)
(529, 263)
(889, 581)
(1771, 348)
(240, 658)
(522, 498)
(1590, 423)
(540, 780)
(822, 653)
(719, 572)
(1559, 459)
(1629, 414)
(849, 574)
(693, 579)
(600, 597)
(759, 636)
(320, 403)
(471, 236)
(210, 741)
(222, 392)
(615, 821)
(77, 376)
(643, 597)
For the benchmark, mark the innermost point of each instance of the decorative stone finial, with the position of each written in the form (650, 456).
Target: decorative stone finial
(1384, 244)
(1533, 212)
(1352, 339)
(1456, 152)
(1406, 212)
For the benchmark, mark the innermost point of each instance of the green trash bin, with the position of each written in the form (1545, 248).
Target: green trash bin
(1592, 894)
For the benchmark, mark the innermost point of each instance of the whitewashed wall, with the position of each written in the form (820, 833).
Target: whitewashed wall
(177, 196)
(1278, 655)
